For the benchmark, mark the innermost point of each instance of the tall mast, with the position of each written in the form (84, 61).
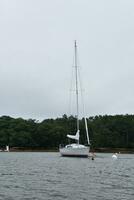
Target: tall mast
(76, 79)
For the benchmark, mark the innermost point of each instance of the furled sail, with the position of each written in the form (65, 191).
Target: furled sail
(75, 137)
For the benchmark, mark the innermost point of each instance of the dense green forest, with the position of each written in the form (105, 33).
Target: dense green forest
(104, 131)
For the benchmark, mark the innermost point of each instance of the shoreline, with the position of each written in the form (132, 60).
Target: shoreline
(113, 150)
(95, 150)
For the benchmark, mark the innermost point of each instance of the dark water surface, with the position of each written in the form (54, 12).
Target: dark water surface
(47, 176)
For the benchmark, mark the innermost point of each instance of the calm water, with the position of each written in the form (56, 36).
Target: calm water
(47, 176)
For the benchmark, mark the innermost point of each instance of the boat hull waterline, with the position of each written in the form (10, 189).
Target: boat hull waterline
(75, 151)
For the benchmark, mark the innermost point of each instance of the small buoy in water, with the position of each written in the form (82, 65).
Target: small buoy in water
(92, 156)
(115, 156)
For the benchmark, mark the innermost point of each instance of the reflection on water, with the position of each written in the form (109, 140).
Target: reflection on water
(47, 176)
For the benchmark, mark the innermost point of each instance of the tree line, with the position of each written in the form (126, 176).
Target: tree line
(104, 131)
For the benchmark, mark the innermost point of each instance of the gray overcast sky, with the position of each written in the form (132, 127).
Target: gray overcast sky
(36, 54)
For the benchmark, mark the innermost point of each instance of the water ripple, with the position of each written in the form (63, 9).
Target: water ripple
(39, 176)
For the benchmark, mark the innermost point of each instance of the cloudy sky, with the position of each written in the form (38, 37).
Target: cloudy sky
(36, 56)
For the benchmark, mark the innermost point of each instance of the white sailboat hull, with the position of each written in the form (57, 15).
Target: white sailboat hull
(75, 150)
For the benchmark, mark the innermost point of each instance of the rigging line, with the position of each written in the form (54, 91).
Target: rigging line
(82, 99)
(71, 89)
(70, 93)
(81, 86)
(80, 83)
(81, 91)
(76, 84)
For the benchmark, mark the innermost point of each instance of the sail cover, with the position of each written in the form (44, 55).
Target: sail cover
(75, 137)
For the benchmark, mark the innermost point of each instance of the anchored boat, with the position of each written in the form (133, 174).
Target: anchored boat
(76, 149)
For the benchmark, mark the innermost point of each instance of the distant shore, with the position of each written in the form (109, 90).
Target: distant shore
(99, 150)
(113, 150)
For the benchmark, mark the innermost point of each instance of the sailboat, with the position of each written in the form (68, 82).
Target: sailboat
(76, 149)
